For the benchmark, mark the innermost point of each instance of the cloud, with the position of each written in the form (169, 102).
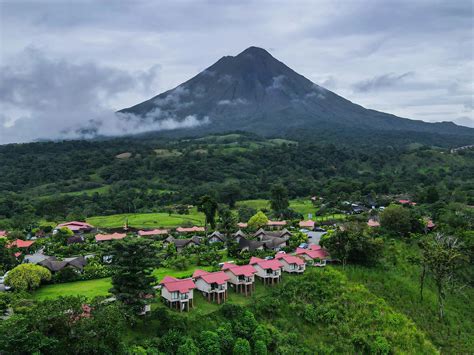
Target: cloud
(233, 102)
(277, 83)
(381, 82)
(46, 98)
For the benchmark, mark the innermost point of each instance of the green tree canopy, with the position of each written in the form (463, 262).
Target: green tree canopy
(27, 277)
(258, 220)
(396, 220)
(279, 199)
(133, 261)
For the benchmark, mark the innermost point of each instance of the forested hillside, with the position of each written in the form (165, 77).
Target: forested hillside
(86, 178)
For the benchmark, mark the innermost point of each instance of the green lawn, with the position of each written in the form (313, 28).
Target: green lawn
(89, 289)
(148, 220)
(100, 287)
(303, 206)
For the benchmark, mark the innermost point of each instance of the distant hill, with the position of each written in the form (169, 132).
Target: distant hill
(255, 92)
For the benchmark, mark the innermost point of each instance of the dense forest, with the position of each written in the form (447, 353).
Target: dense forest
(55, 181)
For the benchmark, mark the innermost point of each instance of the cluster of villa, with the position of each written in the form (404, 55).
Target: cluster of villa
(178, 293)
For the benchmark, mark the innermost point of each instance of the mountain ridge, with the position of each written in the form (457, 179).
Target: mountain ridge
(255, 92)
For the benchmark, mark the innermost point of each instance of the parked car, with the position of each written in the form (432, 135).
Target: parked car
(268, 257)
(303, 246)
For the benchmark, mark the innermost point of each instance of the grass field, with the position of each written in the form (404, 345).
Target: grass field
(155, 220)
(100, 287)
(148, 220)
(303, 206)
(89, 289)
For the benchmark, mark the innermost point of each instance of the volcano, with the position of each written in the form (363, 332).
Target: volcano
(257, 93)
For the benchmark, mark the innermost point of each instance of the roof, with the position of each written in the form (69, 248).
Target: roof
(313, 254)
(114, 236)
(265, 264)
(314, 247)
(373, 223)
(219, 235)
(274, 243)
(407, 202)
(190, 230)
(181, 285)
(218, 277)
(251, 244)
(183, 242)
(272, 234)
(145, 233)
(242, 225)
(75, 225)
(3, 233)
(306, 224)
(21, 243)
(276, 223)
(430, 224)
(239, 270)
(54, 265)
(290, 259)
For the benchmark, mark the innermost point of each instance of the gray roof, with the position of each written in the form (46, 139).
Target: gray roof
(265, 235)
(251, 244)
(53, 265)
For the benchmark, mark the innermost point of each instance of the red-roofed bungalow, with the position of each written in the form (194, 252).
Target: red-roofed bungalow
(372, 223)
(313, 255)
(194, 229)
(242, 225)
(177, 293)
(407, 202)
(242, 277)
(307, 224)
(107, 237)
(76, 226)
(3, 234)
(291, 263)
(152, 233)
(213, 285)
(21, 244)
(276, 224)
(269, 271)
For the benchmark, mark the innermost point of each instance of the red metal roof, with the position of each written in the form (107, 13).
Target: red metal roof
(306, 224)
(373, 223)
(181, 285)
(144, 233)
(290, 259)
(314, 247)
(218, 277)
(266, 264)
(114, 236)
(276, 223)
(313, 254)
(242, 225)
(3, 233)
(76, 224)
(21, 243)
(239, 270)
(190, 230)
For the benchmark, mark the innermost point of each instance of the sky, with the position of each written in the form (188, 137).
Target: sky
(63, 63)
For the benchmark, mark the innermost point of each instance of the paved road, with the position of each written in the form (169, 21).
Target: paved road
(314, 237)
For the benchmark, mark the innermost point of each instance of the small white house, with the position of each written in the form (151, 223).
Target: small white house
(291, 263)
(213, 285)
(269, 271)
(177, 293)
(241, 278)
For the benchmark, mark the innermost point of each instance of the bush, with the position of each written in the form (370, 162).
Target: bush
(27, 277)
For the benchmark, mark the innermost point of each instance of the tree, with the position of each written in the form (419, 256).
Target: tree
(242, 347)
(258, 220)
(431, 194)
(396, 220)
(133, 261)
(209, 343)
(339, 245)
(7, 259)
(441, 257)
(260, 348)
(188, 348)
(227, 221)
(245, 212)
(208, 206)
(230, 193)
(226, 337)
(279, 198)
(27, 277)
(52, 326)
